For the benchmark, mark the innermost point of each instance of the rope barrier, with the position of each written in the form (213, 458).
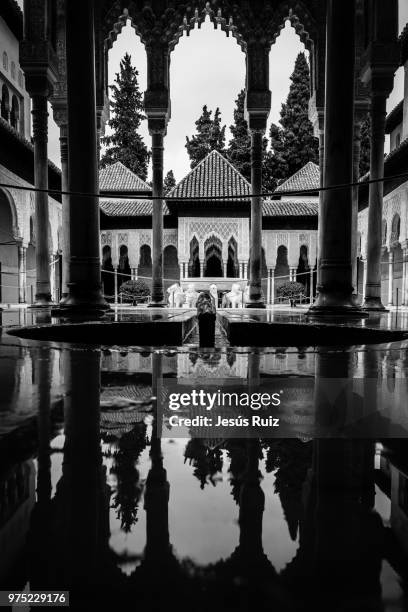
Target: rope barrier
(130, 196)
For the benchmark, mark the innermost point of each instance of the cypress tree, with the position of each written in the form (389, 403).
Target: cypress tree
(239, 147)
(169, 181)
(292, 143)
(125, 144)
(210, 136)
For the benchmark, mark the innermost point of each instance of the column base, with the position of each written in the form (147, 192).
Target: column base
(71, 306)
(340, 306)
(42, 300)
(159, 304)
(373, 304)
(255, 304)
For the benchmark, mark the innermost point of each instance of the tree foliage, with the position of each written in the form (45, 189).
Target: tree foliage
(292, 142)
(169, 182)
(125, 144)
(210, 136)
(365, 146)
(239, 147)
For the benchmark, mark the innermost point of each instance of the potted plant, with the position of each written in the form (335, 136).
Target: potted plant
(292, 291)
(134, 291)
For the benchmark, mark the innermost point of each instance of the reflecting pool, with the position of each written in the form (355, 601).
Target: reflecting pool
(94, 501)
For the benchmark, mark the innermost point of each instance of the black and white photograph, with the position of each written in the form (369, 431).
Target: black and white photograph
(204, 305)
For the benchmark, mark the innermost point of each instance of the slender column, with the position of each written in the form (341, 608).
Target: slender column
(404, 276)
(268, 287)
(157, 220)
(391, 278)
(273, 285)
(311, 284)
(374, 238)
(364, 277)
(335, 288)
(85, 287)
(224, 265)
(65, 210)
(321, 194)
(255, 289)
(22, 273)
(354, 218)
(245, 271)
(40, 137)
(115, 281)
(201, 269)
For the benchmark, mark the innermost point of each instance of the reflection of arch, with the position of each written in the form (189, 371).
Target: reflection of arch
(171, 270)
(144, 269)
(194, 261)
(232, 263)
(15, 112)
(108, 281)
(395, 229)
(5, 102)
(213, 256)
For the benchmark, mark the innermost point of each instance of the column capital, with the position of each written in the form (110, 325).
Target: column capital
(157, 124)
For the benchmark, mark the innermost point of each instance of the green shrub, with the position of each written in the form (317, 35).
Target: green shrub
(291, 290)
(134, 291)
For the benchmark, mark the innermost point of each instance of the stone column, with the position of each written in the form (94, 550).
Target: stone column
(257, 107)
(224, 266)
(22, 273)
(245, 271)
(42, 260)
(255, 281)
(65, 210)
(391, 277)
(372, 299)
(273, 285)
(404, 276)
(335, 288)
(311, 284)
(201, 269)
(268, 287)
(157, 106)
(364, 276)
(85, 287)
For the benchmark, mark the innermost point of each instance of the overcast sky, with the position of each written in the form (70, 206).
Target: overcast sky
(208, 67)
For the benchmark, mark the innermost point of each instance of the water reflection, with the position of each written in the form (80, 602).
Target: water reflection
(104, 507)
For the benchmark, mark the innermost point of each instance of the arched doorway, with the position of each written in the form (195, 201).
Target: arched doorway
(232, 263)
(194, 261)
(171, 269)
(282, 267)
(15, 112)
(8, 252)
(108, 280)
(213, 257)
(302, 272)
(5, 103)
(124, 266)
(397, 262)
(144, 270)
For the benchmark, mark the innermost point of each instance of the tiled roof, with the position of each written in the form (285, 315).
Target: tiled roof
(117, 177)
(280, 208)
(394, 118)
(129, 208)
(307, 177)
(213, 176)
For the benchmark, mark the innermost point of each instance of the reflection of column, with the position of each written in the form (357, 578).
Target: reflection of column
(85, 287)
(22, 273)
(335, 288)
(390, 277)
(40, 137)
(42, 377)
(81, 491)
